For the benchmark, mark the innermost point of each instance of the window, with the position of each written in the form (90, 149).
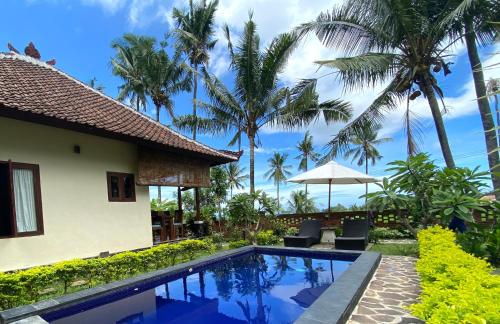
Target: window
(121, 186)
(20, 200)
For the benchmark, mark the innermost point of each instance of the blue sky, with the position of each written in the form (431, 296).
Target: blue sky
(78, 35)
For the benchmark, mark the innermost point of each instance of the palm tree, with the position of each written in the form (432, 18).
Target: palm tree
(164, 77)
(300, 204)
(306, 149)
(258, 98)
(148, 72)
(235, 176)
(132, 52)
(472, 21)
(361, 147)
(278, 171)
(402, 42)
(195, 30)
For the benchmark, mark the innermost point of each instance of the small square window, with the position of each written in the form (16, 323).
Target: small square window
(121, 186)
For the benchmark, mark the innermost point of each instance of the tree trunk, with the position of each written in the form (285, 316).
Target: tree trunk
(197, 203)
(251, 141)
(482, 103)
(306, 183)
(366, 171)
(428, 90)
(158, 120)
(278, 195)
(498, 119)
(195, 90)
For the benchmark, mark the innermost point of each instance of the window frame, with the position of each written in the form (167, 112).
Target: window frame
(35, 168)
(121, 186)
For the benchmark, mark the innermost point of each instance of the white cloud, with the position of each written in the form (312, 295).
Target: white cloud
(110, 6)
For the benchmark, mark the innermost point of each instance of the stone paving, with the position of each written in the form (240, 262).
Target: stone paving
(394, 285)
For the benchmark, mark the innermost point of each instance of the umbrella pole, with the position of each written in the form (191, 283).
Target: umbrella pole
(329, 195)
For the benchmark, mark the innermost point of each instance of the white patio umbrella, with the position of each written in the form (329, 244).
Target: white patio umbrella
(332, 173)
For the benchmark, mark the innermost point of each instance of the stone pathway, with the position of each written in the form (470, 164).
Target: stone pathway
(394, 285)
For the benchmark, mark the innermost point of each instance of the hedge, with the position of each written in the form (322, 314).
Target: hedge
(34, 284)
(456, 286)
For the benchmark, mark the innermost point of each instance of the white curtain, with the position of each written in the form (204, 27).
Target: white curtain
(24, 196)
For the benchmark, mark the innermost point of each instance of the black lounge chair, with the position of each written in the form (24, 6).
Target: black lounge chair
(309, 234)
(354, 235)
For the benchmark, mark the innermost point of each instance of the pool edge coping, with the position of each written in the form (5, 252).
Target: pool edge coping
(53, 304)
(337, 302)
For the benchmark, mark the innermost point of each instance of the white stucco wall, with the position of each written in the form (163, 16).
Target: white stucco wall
(78, 219)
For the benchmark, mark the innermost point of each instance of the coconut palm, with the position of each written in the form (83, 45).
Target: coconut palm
(472, 22)
(361, 147)
(278, 171)
(235, 176)
(306, 149)
(195, 31)
(164, 77)
(401, 42)
(148, 72)
(300, 204)
(131, 53)
(258, 98)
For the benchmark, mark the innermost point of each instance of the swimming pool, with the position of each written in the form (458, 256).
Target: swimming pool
(248, 285)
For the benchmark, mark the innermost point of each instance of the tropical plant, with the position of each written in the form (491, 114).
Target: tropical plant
(218, 186)
(163, 205)
(482, 241)
(306, 149)
(278, 171)
(429, 194)
(399, 42)
(245, 210)
(235, 177)
(149, 72)
(299, 203)
(164, 77)
(131, 53)
(361, 146)
(258, 98)
(472, 21)
(195, 31)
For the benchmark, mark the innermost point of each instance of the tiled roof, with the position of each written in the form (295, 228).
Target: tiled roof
(32, 87)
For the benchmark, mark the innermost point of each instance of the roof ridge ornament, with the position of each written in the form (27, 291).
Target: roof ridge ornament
(31, 51)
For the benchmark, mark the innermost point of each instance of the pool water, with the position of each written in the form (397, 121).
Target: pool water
(252, 288)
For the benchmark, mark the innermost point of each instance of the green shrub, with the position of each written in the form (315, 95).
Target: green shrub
(291, 231)
(28, 286)
(238, 244)
(482, 241)
(384, 233)
(217, 239)
(266, 238)
(456, 287)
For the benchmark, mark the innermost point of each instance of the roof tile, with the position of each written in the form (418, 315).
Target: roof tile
(27, 84)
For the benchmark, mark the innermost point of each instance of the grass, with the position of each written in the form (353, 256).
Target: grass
(410, 249)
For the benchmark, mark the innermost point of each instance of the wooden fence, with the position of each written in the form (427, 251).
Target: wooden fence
(387, 218)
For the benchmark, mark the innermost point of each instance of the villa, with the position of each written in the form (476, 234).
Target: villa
(75, 166)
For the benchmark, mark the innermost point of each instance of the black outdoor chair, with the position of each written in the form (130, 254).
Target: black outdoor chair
(354, 235)
(309, 234)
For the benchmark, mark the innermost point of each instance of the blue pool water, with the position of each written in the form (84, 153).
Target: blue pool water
(252, 288)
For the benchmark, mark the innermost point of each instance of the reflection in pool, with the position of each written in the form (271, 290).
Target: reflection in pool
(253, 288)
